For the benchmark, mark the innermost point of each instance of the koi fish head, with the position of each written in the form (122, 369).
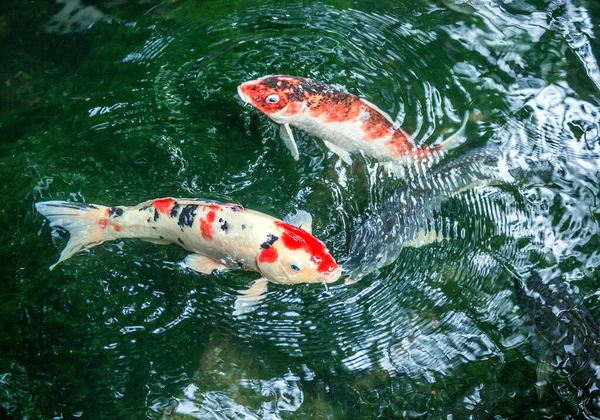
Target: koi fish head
(280, 97)
(287, 99)
(295, 256)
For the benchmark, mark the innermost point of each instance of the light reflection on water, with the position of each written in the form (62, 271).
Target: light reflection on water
(428, 330)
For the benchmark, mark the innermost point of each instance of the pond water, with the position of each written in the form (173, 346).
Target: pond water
(119, 102)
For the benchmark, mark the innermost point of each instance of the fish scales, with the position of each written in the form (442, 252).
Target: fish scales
(346, 123)
(220, 236)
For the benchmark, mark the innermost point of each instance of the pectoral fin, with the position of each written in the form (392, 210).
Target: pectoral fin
(285, 132)
(158, 241)
(301, 218)
(203, 264)
(250, 297)
(343, 154)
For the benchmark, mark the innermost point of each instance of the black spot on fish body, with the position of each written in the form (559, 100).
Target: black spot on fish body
(237, 207)
(115, 212)
(243, 227)
(187, 216)
(145, 207)
(156, 215)
(161, 237)
(220, 220)
(174, 210)
(271, 239)
(295, 96)
(224, 226)
(180, 241)
(148, 220)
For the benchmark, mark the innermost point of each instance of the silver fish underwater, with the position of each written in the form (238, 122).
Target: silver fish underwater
(570, 333)
(408, 217)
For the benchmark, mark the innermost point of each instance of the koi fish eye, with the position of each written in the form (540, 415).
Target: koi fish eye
(296, 266)
(272, 99)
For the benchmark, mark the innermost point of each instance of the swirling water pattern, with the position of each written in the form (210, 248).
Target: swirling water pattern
(137, 100)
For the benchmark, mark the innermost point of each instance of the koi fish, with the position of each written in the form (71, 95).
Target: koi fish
(220, 237)
(346, 123)
(570, 331)
(410, 217)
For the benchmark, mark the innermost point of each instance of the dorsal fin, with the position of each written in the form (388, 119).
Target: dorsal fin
(194, 201)
(301, 219)
(376, 108)
(285, 132)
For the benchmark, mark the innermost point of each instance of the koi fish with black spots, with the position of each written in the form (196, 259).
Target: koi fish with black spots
(220, 237)
(346, 123)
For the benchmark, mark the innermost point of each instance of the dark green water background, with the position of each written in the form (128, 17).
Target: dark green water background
(121, 101)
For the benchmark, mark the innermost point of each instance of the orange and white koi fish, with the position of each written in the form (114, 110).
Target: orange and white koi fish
(346, 123)
(220, 237)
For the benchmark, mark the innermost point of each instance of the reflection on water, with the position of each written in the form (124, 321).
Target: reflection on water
(433, 325)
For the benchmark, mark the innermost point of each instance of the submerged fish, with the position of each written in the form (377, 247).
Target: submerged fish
(346, 123)
(220, 237)
(410, 216)
(570, 331)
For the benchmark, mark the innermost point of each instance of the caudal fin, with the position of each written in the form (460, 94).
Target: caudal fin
(455, 139)
(86, 224)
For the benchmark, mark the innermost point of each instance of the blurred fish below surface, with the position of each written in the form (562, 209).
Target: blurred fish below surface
(567, 336)
(413, 217)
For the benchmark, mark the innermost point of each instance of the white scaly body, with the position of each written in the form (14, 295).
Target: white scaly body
(220, 237)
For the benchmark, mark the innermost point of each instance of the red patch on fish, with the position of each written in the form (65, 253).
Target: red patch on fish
(206, 224)
(335, 107)
(375, 125)
(117, 228)
(399, 145)
(268, 255)
(164, 205)
(107, 212)
(103, 223)
(259, 93)
(295, 238)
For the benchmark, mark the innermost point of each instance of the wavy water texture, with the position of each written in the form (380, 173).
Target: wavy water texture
(498, 199)
(433, 325)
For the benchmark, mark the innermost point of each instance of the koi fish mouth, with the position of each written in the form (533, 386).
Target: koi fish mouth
(333, 276)
(245, 98)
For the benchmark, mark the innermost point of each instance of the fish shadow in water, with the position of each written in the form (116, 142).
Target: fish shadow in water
(570, 332)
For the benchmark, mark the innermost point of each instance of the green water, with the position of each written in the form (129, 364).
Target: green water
(119, 102)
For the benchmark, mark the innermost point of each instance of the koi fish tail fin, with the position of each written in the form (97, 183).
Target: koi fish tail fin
(86, 224)
(455, 139)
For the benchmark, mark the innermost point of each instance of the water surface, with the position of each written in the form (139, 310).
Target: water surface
(119, 102)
